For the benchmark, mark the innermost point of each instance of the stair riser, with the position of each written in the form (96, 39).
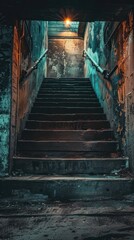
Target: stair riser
(68, 166)
(64, 96)
(68, 125)
(67, 154)
(65, 88)
(67, 135)
(65, 189)
(66, 80)
(66, 117)
(67, 100)
(67, 146)
(66, 92)
(67, 83)
(66, 110)
(79, 104)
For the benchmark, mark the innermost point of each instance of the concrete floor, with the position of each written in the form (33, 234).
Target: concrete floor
(33, 217)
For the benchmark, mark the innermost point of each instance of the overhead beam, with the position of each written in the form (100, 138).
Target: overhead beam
(77, 10)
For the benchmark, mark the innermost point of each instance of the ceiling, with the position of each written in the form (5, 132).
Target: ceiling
(57, 10)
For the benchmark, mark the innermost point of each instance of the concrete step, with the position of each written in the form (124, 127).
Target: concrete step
(66, 104)
(74, 125)
(68, 154)
(65, 110)
(66, 80)
(82, 100)
(64, 166)
(67, 85)
(67, 117)
(66, 88)
(69, 135)
(69, 146)
(69, 95)
(69, 187)
(69, 91)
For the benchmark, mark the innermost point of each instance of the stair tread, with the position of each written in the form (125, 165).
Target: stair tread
(66, 178)
(62, 130)
(79, 121)
(69, 114)
(66, 141)
(55, 102)
(68, 159)
(62, 107)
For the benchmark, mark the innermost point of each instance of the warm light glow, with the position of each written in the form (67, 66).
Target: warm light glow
(67, 22)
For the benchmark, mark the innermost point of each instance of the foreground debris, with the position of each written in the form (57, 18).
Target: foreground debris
(28, 216)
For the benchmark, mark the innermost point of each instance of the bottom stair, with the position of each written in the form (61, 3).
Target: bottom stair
(66, 188)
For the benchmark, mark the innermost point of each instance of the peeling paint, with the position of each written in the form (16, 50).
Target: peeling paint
(6, 35)
(15, 99)
(113, 94)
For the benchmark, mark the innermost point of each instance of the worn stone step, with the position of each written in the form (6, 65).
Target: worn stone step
(67, 117)
(66, 104)
(69, 95)
(66, 85)
(66, 80)
(65, 166)
(69, 187)
(81, 125)
(46, 99)
(66, 110)
(71, 91)
(77, 135)
(66, 88)
(98, 146)
(68, 154)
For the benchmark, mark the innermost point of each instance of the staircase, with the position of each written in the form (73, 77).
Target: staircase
(67, 149)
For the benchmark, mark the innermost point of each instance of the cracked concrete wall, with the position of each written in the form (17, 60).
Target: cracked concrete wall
(6, 36)
(65, 58)
(116, 95)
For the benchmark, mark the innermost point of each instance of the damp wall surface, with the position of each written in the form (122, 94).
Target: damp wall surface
(20, 46)
(6, 37)
(65, 57)
(30, 45)
(112, 44)
(28, 89)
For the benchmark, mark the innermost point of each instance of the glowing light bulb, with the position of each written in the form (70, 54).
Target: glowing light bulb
(67, 22)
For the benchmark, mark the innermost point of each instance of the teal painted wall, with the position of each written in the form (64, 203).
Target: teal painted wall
(18, 51)
(6, 37)
(116, 95)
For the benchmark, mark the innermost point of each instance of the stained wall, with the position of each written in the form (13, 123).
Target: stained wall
(20, 46)
(6, 37)
(65, 57)
(112, 44)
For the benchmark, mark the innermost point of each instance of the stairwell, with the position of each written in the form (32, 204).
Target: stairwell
(67, 149)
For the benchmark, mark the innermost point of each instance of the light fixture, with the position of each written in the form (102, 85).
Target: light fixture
(67, 22)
